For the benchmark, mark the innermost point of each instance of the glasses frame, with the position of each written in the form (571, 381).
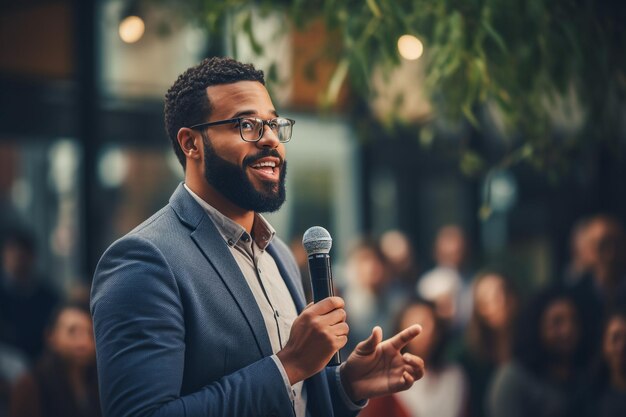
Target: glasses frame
(239, 119)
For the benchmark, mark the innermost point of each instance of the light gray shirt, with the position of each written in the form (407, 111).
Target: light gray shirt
(263, 277)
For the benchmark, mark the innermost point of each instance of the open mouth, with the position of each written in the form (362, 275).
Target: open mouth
(266, 169)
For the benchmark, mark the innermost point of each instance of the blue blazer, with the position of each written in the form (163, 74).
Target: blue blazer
(178, 331)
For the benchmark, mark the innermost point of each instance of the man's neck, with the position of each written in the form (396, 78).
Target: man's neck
(243, 217)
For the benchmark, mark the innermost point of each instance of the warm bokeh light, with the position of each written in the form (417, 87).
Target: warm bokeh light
(132, 29)
(410, 47)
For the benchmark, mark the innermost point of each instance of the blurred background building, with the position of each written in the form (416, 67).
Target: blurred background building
(84, 157)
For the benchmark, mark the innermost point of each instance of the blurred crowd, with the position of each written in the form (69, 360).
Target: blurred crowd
(47, 349)
(493, 346)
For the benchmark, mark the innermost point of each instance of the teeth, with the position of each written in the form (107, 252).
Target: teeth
(264, 164)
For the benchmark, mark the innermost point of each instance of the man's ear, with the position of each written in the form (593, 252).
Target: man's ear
(189, 141)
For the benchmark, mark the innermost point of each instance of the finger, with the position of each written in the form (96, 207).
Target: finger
(308, 305)
(407, 380)
(414, 365)
(336, 316)
(341, 329)
(327, 305)
(368, 346)
(342, 341)
(405, 336)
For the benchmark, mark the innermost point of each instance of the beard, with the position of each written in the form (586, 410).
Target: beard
(232, 182)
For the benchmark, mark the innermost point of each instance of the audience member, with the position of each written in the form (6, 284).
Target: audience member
(370, 299)
(64, 382)
(447, 284)
(604, 288)
(582, 253)
(25, 300)
(609, 379)
(400, 256)
(442, 392)
(487, 343)
(12, 366)
(545, 377)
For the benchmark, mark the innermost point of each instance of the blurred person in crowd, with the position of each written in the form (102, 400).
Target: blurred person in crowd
(25, 299)
(608, 385)
(604, 287)
(442, 392)
(447, 284)
(400, 258)
(79, 292)
(487, 343)
(200, 309)
(546, 376)
(12, 365)
(370, 298)
(582, 253)
(63, 383)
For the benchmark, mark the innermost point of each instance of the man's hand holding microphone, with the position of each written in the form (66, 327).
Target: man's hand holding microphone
(376, 367)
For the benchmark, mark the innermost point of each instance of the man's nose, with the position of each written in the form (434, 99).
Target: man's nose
(269, 139)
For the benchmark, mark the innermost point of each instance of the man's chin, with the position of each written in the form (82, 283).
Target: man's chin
(269, 188)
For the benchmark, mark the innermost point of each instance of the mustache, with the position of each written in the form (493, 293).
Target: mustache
(264, 153)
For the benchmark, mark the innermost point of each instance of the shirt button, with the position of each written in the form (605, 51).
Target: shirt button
(231, 242)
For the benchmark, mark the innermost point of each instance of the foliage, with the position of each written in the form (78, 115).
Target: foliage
(517, 58)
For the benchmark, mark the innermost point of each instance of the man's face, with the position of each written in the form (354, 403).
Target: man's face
(236, 168)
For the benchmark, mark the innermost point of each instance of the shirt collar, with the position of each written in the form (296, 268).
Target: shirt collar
(231, 231)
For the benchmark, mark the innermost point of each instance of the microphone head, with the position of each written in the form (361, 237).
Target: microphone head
(317, 240)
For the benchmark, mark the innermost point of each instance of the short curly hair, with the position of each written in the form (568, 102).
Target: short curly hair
(187, 103)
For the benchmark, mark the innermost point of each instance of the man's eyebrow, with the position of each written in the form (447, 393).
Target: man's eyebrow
(251, 113)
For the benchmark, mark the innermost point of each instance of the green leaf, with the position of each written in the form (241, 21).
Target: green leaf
(374, 8)
(495, 36)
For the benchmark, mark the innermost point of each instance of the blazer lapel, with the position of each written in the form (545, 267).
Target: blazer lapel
(216, 252)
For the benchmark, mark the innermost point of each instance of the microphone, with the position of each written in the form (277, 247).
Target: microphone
(317, 243)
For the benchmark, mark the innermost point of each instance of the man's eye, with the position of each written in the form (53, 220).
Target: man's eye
(247, 125)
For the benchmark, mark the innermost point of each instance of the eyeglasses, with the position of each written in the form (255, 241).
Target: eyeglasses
(252, 129)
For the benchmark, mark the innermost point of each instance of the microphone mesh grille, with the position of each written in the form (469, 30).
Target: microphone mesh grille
(317, 240)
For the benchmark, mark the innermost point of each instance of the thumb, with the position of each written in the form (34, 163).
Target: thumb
(368, 346)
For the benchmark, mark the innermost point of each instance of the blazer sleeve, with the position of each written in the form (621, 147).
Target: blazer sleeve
(140, 343)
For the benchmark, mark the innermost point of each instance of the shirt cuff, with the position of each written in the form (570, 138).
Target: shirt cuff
(281, 369)
(351, 405)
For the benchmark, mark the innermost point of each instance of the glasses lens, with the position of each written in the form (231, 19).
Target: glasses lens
(283, 129)
(252, 128)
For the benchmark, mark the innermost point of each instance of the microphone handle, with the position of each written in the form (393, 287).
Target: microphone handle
(322, 284)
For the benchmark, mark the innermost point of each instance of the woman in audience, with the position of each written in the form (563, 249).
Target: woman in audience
(64, 381)
(609, 379)
(545, 377)
(442, 392)
(488, 340)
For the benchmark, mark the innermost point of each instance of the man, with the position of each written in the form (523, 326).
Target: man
(199, 311)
